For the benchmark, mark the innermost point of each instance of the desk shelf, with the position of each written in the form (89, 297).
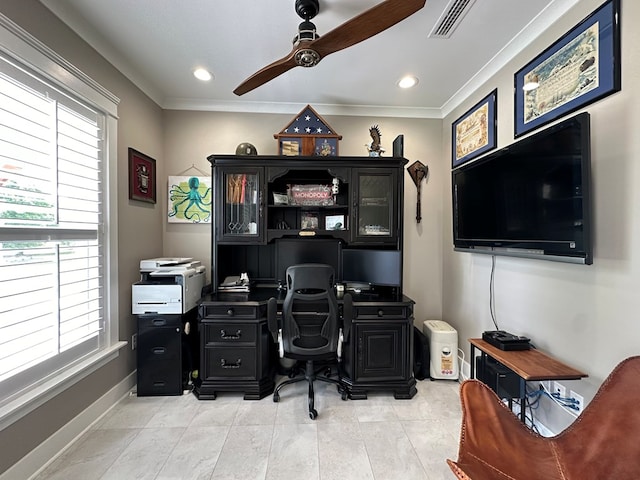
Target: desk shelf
(528, 365)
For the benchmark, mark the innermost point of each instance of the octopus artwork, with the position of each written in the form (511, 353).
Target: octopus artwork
(189, 199)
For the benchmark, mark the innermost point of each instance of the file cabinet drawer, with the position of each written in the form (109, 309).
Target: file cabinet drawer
(230, 333)
(232, 362)
(221, 311)
(381, 311)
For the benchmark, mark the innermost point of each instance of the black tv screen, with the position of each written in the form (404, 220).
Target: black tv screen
(373, 267)
(529, 199)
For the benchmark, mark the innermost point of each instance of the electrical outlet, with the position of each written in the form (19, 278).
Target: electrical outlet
(579, 400)
(559, 389)
(134, 341)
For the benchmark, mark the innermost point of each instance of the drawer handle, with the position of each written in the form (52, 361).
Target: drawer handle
(224, 336)
(159, 350)
(381, 313)
(159, 322)
(230, 312)
(224, 364)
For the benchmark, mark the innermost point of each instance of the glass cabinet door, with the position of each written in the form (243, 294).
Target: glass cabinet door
(241, 202)
(375, 206)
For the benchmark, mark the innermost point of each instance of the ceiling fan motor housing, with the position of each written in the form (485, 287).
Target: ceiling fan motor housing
(307, 9)
(306, 32)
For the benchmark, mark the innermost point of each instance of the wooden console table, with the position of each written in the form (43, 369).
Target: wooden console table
(528, 365)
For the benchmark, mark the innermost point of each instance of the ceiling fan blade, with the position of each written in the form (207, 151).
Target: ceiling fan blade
(369, 23)
(266, 74)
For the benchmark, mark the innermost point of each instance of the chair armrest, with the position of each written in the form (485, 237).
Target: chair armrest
(347, 315)
(495, 444)
(272, 318)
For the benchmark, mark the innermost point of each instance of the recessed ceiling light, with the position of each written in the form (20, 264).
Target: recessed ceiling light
(202, 74)
(408, 81)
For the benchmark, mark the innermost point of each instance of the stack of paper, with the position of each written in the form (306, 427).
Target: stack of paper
(234, 284)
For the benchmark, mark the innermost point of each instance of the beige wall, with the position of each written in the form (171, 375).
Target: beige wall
(192, 136)
(585, 315)
(139, 225)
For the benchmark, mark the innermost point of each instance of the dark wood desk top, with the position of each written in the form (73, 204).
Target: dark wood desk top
(262, 295)
(530, 364)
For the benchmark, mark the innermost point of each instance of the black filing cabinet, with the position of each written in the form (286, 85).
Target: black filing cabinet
(379, 353)
(167, 352)
(236, 350)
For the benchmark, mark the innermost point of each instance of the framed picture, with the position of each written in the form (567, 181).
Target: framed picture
(309, 221)
(334, 222)
(142, 177)
(291, 146)
(581, 67)
(326, 147)
(474, 133)
(189, 199)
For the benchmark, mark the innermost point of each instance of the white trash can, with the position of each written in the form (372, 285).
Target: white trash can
(443, 348)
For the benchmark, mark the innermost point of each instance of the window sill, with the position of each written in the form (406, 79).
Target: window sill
(33, 398)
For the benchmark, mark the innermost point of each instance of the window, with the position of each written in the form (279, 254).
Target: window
(55, 306)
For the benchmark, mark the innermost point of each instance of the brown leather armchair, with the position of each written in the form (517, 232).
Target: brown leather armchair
(602, 444)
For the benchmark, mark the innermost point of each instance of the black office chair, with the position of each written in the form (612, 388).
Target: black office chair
(310, 328)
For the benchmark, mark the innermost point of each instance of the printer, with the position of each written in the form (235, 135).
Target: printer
(167, 285)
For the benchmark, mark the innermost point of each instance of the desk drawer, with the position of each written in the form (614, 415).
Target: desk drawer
(221, 311)
(230, 333)
(232, 362)
(381, 311)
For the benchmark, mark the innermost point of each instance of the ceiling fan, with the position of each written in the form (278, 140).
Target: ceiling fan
(309, 48)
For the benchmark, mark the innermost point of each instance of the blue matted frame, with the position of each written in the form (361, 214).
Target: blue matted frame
(581, 67)
(474, 133)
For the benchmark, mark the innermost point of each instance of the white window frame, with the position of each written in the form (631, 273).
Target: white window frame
(22, 46)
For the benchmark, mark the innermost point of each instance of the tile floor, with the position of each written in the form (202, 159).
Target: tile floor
(164, 438)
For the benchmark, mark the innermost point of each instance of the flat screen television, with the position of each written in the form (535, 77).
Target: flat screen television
(530, 199)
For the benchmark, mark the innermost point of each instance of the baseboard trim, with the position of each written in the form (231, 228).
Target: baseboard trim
(54, 446)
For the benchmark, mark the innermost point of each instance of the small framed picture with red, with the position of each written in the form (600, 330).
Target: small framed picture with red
(142, 177)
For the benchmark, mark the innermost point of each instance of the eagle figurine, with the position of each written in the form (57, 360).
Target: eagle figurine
(374, 148)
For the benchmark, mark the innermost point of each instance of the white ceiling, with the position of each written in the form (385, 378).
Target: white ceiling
(158, 43)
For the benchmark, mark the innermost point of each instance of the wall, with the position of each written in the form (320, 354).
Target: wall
(192, 136)
(139, 225)
(584, 315)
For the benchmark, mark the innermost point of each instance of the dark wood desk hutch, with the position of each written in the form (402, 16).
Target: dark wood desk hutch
(274, 211)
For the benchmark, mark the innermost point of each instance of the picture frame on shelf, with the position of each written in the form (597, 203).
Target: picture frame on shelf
(309, 221)
(576, 70)
(142, 177)
(326, 147)
(334, 222)
(474, 133)
(290, 147)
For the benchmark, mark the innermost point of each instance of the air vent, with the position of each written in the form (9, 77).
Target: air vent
(451, 17)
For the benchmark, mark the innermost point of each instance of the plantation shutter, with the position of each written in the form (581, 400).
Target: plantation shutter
(51, 234)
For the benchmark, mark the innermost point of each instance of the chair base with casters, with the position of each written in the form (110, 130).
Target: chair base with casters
(600, 444)
(310, 375)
